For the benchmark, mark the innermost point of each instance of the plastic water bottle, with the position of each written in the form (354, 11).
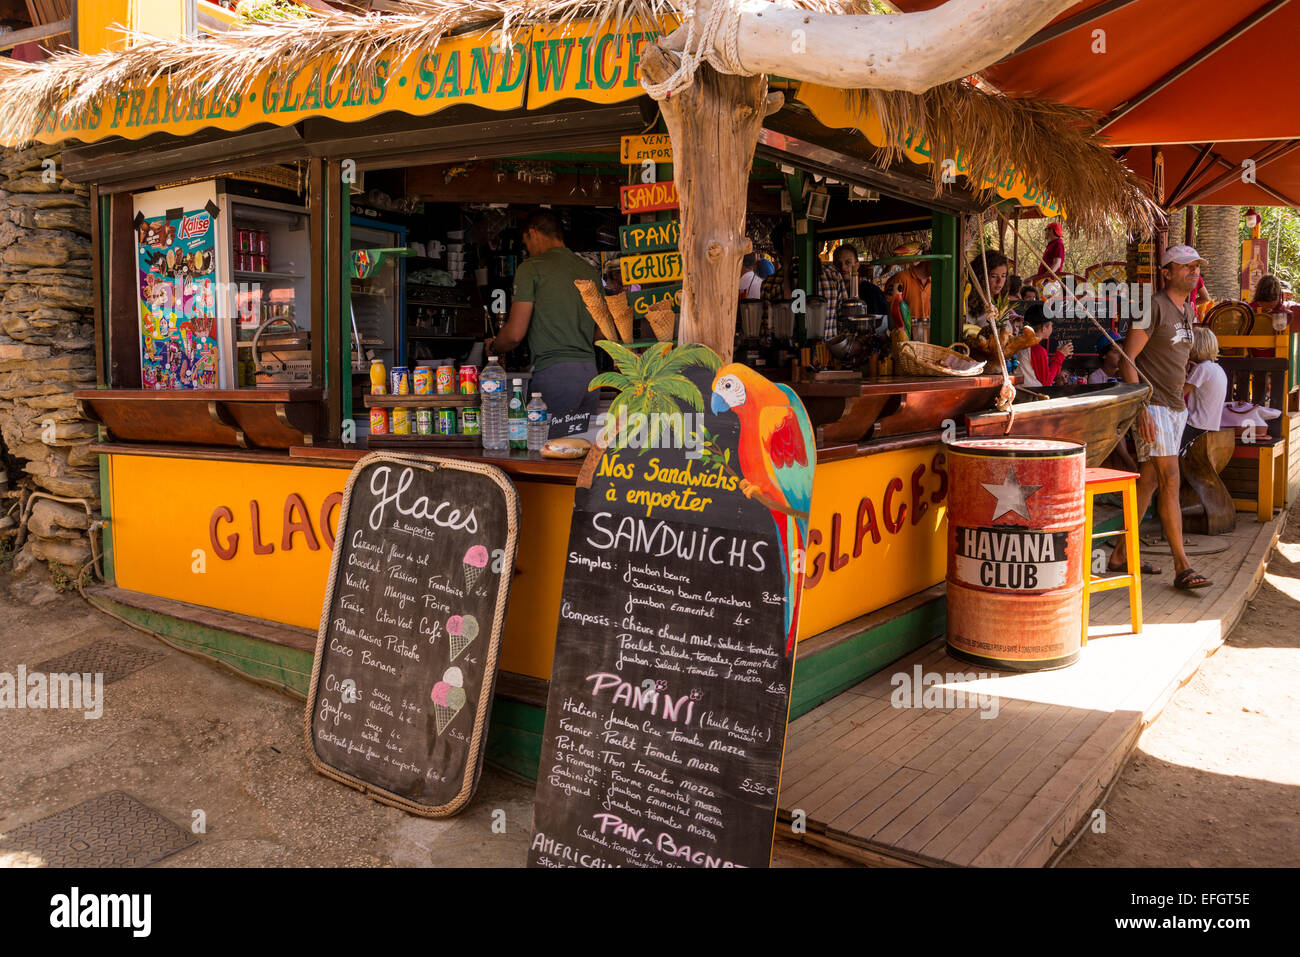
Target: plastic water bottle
(492, 388)
(518, 418)
(539, 423)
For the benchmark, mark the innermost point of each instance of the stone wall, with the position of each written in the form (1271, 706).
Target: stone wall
(46, 351)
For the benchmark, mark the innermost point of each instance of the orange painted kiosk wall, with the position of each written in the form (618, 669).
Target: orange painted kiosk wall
(255, 539)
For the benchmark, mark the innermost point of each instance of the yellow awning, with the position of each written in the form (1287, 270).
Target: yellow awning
(832, 108)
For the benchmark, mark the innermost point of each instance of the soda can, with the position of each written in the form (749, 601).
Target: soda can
(446, 380)
(401, 422)
(378, 421)
(261, 241)
(469, 422)
(242, 244)
(422, 380)
(446, 421)
(399, 381)
(424, 421)
(468, 380)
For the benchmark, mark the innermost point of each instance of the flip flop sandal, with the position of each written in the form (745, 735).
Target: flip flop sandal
(1189, 579)
(1147, 569)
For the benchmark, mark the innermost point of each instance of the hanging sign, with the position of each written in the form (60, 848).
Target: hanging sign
(652, 267)
(655, 147)
(406, 656)
(648, 296)
(648, 237)
(1254, 264)
(1146, 258)
(669, 695)
(647, 197)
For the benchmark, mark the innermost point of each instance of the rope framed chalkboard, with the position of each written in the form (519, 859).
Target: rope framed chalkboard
(410, 631)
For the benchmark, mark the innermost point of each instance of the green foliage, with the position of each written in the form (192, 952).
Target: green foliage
(260, 11)
(1280, 225)
(652, 383)
(62, 581)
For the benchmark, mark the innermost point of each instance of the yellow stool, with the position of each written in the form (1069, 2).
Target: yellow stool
(1100, 482)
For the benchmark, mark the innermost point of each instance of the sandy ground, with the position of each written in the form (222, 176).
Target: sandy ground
(1215, 781)
(182, 736)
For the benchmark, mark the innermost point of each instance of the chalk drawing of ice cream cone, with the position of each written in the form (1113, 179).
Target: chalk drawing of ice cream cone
(476, 559)
(448, 697)
(462, 630)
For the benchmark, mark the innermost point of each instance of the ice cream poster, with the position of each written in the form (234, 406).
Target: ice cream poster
(176, 256)
(410, 631)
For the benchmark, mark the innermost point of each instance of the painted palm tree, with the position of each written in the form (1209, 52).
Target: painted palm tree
(651, 389)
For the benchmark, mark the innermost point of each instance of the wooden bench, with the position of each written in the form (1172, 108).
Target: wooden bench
(1260, 487)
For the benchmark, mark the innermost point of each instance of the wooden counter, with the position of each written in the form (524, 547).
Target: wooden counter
(268, 418)
(529, 465)
(857, 410)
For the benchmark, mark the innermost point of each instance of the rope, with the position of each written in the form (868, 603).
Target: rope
(720, 52)
(1079, 302)
(1007, 394)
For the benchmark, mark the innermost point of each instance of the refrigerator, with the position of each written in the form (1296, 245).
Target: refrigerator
(378, 301)
(223, 289)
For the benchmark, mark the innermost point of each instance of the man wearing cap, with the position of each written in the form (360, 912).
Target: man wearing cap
(1159, 346)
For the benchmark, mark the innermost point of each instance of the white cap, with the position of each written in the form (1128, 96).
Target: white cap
(1184, 255)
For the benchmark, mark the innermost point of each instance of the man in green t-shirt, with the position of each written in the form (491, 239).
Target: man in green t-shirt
(548, 310)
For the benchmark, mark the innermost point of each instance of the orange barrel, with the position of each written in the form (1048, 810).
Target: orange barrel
(1015, 552)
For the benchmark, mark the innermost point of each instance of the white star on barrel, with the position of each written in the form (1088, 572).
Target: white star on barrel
(1011, 495)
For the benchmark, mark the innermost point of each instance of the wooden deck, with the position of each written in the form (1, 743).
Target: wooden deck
(945, 787)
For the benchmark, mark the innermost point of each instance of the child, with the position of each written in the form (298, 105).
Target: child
(1206, 389)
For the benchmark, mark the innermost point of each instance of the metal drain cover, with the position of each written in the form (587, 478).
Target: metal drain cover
(113, 659)
(111, 830)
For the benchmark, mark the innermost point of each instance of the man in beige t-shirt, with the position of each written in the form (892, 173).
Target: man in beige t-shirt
(1159, 346)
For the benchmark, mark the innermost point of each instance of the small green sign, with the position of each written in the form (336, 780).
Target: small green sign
(647, 297)
(647, 237)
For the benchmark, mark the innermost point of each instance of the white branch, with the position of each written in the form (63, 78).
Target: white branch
(907, 51)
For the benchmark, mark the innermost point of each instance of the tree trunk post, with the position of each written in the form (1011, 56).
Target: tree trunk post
(714, 125)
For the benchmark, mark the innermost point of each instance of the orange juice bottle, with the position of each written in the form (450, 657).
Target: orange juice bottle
(378, 377)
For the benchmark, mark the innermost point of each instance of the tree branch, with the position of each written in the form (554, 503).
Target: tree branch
(908, 51)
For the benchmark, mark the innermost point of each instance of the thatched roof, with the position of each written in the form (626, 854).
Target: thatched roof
(1052, 145)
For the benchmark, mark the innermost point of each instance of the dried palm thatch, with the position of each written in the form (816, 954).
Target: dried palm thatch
(1053, 145)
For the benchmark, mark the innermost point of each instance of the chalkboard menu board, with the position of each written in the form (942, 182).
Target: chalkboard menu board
(670, 689)
(1070, 322)
(406, 657)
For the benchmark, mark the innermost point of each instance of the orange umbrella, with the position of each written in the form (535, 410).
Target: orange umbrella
(1214, 76)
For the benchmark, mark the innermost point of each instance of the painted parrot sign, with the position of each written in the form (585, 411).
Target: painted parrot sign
(670, 689)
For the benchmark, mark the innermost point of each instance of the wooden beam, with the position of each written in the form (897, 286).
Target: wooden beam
(1192, 172)
(31, 34)
(1270, 154)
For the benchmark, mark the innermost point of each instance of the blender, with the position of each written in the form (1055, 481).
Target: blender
(751, 330)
